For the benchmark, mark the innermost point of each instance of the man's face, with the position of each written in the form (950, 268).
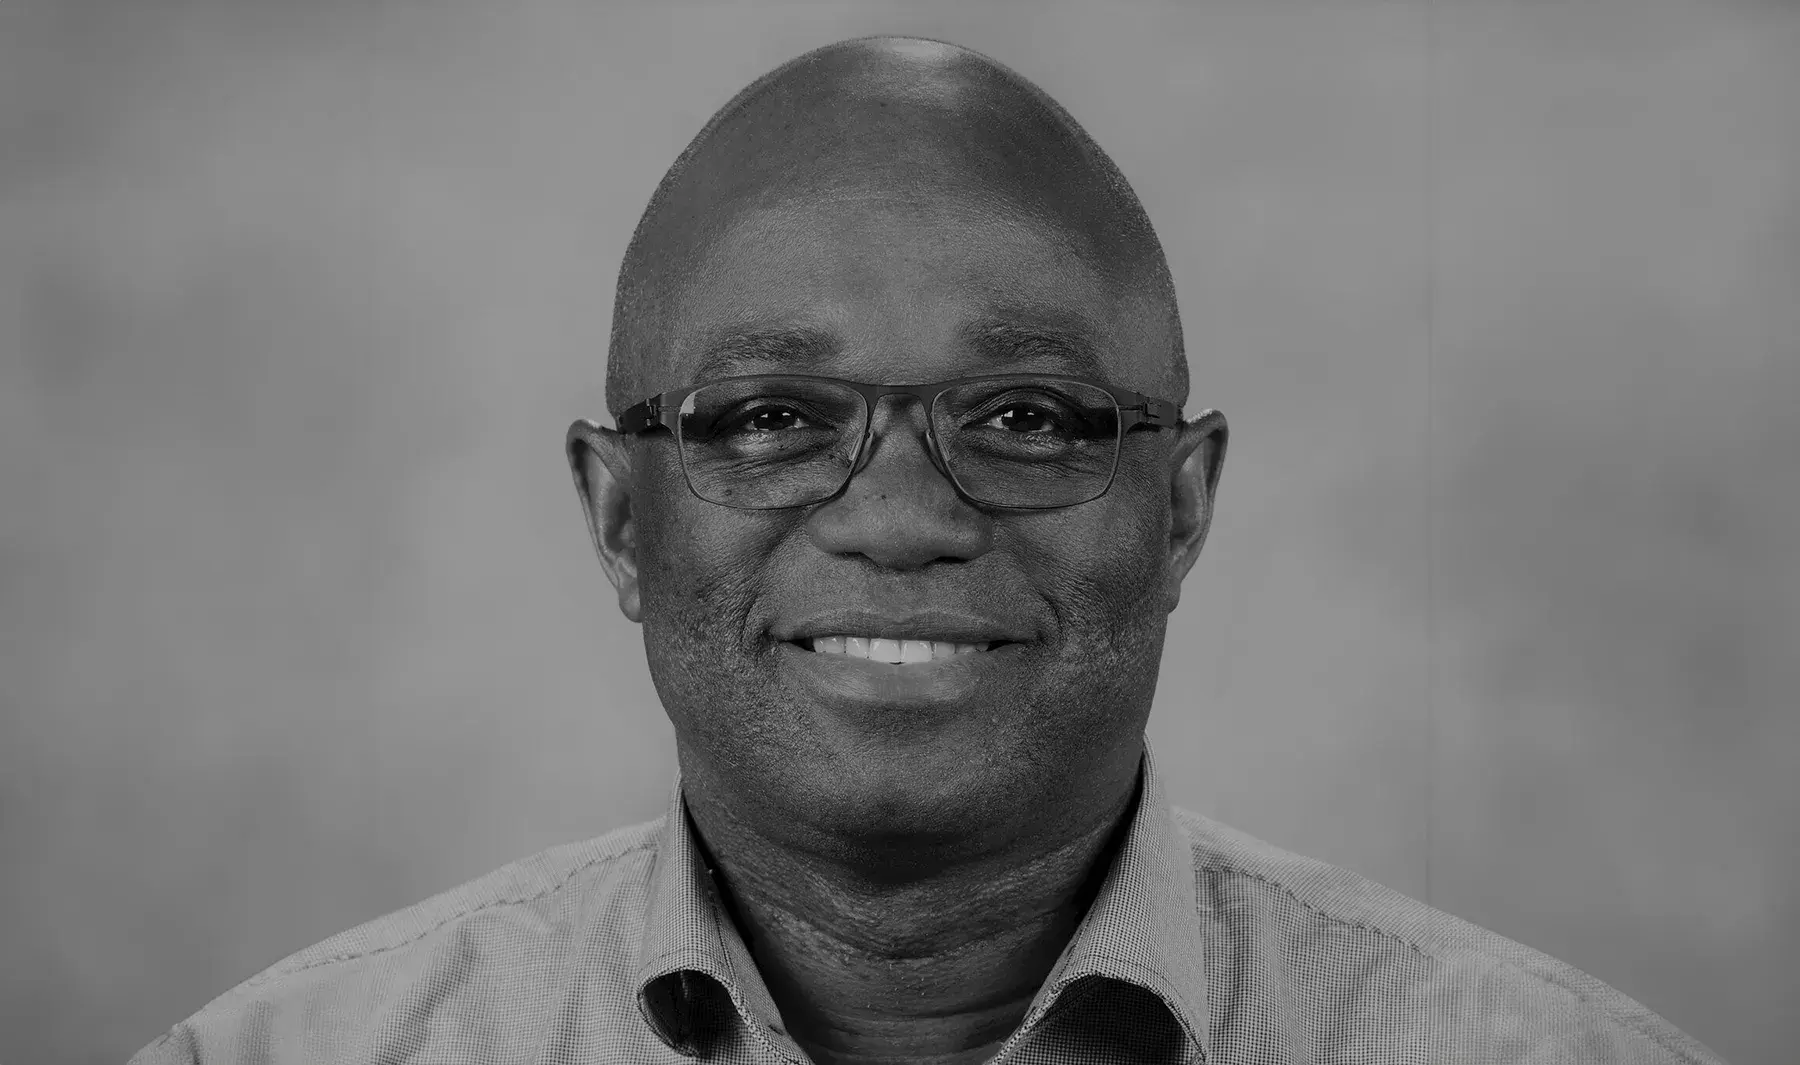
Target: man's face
(851, 748)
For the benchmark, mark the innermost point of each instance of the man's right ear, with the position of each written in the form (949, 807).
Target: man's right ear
(602, 467)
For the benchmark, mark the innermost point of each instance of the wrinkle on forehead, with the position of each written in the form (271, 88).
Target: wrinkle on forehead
(896, 118)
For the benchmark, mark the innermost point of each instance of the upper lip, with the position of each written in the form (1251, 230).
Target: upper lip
(942, 625)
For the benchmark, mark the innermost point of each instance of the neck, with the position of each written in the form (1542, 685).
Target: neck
(939, 967)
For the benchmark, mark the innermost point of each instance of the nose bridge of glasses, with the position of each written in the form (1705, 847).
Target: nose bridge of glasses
(907, 403)
(912, 407)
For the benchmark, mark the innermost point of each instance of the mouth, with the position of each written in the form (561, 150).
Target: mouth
(897, 651)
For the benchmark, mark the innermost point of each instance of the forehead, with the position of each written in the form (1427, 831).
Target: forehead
(908, 285)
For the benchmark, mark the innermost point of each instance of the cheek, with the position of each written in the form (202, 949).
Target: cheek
(1102, 569)
(692, 587)
(700, 567)
(1112, 553)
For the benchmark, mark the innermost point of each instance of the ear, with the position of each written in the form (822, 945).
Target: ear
(1197, 459)
(601, 464)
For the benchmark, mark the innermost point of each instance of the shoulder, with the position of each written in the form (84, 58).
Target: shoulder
(1335, 958)
(496, 944)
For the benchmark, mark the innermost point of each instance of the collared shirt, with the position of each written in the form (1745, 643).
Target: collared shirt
(1202, 945)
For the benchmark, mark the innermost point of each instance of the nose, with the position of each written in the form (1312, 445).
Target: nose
(899, 510)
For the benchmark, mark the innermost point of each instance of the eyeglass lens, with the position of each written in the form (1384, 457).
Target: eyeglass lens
(789, 441)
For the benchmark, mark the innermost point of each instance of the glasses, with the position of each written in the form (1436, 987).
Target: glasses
(1018, 441)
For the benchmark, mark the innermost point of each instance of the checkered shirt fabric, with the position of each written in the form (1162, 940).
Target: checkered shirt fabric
(1203, 945)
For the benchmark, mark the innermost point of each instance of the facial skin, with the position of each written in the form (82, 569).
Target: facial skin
(906, 853)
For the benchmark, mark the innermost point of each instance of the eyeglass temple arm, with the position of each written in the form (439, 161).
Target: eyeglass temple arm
(1150, 414)
(645, 416)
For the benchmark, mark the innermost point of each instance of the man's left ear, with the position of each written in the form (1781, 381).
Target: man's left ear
(1197, 459)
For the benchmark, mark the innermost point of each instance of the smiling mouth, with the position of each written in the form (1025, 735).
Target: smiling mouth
(894, 651)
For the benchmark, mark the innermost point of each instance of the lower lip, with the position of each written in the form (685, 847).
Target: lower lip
(945, 682)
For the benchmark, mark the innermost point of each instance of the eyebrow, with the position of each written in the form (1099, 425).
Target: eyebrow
(787, 345)
(996, 339)
(1002, 339)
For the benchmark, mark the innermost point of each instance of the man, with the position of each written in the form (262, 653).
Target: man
(908, 634)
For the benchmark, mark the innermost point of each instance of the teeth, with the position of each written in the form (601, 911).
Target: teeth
(878, 649)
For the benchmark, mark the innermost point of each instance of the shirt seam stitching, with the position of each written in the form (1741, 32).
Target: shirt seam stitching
(1538, 978)
(458, 915)
(277, 970)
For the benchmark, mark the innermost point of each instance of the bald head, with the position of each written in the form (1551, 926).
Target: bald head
(905, 120)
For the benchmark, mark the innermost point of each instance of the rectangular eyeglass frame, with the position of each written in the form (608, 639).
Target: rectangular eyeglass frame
(1136, 410)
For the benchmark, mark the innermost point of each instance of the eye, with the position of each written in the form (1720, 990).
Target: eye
(771, 419)
(1024, 418)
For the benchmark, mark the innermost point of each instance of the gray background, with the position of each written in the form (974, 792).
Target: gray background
(299, 622)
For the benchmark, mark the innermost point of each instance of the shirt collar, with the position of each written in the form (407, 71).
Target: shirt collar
(1142, 929)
